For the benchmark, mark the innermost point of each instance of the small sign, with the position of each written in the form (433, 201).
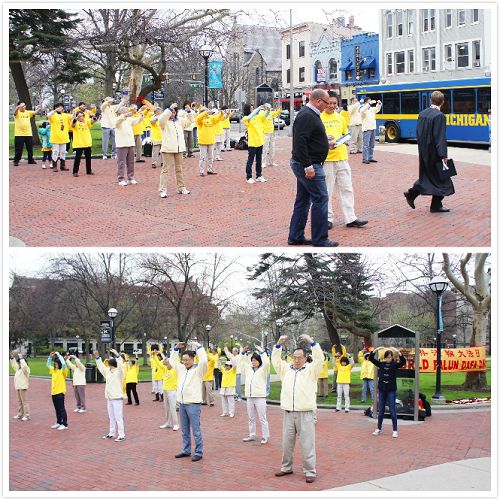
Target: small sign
(239, 95)
(320, 75)
(106, 332)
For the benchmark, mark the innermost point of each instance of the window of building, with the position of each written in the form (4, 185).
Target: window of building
(464, 101)
(288, 76)
(433, 19)
(448, 53)
(399, 59)
(302, 74)
(411, 21)
(257, 76)
(399, 23)
(302, 49)
(476, 53)
(411, 61)
(332, 69)
(409, 103)
(461, 17)
(391, 103)
(483, 100)
(288, 51)
(447, 19)
(475, 15)
(348, 74)
(371, 73)
(462, 56)
(429, 59)
(389, 25)
(428, 20)
(389, 63)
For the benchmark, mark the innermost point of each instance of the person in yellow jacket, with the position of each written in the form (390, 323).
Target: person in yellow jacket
(156, 138)
(298, 400)
(88, 112)
(60, 123)
(139, 128)
(58, 371)
(337, 169)
(208, 379)
(113, 392)
(21, 385)
(336, 362)
(255, 122)
(82, 141)
(23, 134)
(207, 124)
(269, 137)
(170, 381)
(158, 369)
(226, 129)
(228, 389)
(367, 376)
(345, 115)
(344, 382)
(79, 381)
(131, 379)
(323, 378)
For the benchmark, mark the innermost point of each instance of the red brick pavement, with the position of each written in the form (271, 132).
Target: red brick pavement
(78, 459)
(48, 209)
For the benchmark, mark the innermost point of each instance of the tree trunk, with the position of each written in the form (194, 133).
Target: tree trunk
(135, 82)
(333, 333)
(23, 93)
(475, 380)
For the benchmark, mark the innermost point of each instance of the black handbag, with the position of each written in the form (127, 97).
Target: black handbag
(447, 170)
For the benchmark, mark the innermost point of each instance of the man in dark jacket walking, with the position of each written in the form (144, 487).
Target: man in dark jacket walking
(309, 151)
(432, 149)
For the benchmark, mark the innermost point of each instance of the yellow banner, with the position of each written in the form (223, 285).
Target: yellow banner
(469, 359)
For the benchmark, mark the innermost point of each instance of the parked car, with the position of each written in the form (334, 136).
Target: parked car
(279, 123)
(285, 116)
(236, 117)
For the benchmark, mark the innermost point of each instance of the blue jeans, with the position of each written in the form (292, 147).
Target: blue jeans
(368, 144)
(390, 399)
(367, 383)
(311, 194)
(189, 415)
(238, 385)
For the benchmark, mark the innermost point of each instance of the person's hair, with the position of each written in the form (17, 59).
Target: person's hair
(186, 103)
(437, 98)
(80, 103)
(301, 349)
(191, 354)
(247, 109)
(58, 105)
(21, 102)
(78, 113)
(122, 110)
(309, 359)
(44, 124)
(224, 107)
(343, 359)
(57, 362)
(132, 361)
(154, 347)
(112, 362)
(318, 94)
(388, 353)
(75, 352)
(257, 357)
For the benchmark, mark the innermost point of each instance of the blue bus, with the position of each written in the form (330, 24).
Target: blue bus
(467, 106)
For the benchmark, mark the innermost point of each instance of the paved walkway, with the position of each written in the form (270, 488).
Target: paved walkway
(78, 459)
(56, 209)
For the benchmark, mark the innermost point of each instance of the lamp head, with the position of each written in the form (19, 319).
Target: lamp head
(112, 313)
(279, 323)
(208, 328)
(206, 51)
(438, 284)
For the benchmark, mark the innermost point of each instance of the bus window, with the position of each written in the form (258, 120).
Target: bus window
(409, 103)
(464, 101)
(391, 103)
(446, 107)
(483, 100)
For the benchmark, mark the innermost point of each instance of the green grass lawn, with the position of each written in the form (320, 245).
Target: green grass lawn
(95, 132)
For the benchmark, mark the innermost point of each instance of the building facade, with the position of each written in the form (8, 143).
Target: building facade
(360, 62)
(434, 44)
(326, 61)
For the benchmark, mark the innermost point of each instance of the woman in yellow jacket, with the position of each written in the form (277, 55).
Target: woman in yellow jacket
(206, 122)
(170, 380)
(344, 381)
(158, 369)
(323, 378)
(255, 122)
(58, 373)
(228, 389)
(336, 363)
(82, 141)
(132, 379)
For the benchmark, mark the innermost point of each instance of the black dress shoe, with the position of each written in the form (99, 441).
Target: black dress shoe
(330, 225)
(329, 243)
(75, 174)
(305, 241)
(32, 162)
(90, 173)
(282, 473)
(409, 200)
(140, 161)
(373, 161)
(16, 164)
(196, 458)
(211, 173)
(365, 161)
(182, 455)
(440, 210)
(357, 223)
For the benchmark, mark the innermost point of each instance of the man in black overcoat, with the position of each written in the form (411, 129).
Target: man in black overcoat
(432, 149)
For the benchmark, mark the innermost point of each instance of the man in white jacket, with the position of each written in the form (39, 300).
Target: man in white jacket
(369, 125)
(298, 400)
(356, 144)
(189, 395)
(79, 382)
(113, 392)
(21, 384)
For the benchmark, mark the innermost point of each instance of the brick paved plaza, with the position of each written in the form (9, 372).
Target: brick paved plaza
(78, 459)
(56, 209)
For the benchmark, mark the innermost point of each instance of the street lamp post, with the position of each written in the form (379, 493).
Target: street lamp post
(77, 343)
(206, 52)
(112, 313)
(165, 344)
(438, 285)
(454, 341)
(207, 329)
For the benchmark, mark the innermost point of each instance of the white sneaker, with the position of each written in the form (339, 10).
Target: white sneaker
(119, 439)
(264, 441)
(260, 179)
(218, 158)
(62, 427)
(376, 432)
(231, 415)
(25, 418)
(108, 436)
(394, 434)
(347, 411)
(83, 411)
(229, 149)
(175, 428)
(55, 426)
(122, 183)
(132, 181)
(104, 157)
(249, 438)
(76, 410)
(183, 191)
(113, 157)
(274, 165)
(18, 417)
(163, 194)
(250, 181)
(224, 415)
(43, 166)
(164, 426)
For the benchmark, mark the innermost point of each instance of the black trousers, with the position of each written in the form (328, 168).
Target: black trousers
(257, 154)
(88, 159)
(68, 144)
(61, 415)
(19, 142)
(217, 378)
(436, 201)
(132, 388)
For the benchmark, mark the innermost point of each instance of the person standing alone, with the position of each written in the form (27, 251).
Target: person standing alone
(23, 134)
(368, 125)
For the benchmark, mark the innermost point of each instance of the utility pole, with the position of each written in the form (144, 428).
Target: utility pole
(292, 89)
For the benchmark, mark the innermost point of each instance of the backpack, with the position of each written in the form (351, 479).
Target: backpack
(242, 144)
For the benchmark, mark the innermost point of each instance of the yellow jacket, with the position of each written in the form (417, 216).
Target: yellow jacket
(155, 130)
(21, 374)
(157, 368)
(58, 385)
(269, 124)
(81, 134)
(336, 361)
(335, 125)
(207, 127)
(170, 379)
(228, 377)
(298, 387)
(255, 127)
(255, 380)
(189, 381)
(346, 116)
(367, 370)
(226, 123)
(113, 377)
(22, 123)
(132, 373)
(212, 363)
(344, 372)
(324, 369)
(58, 121)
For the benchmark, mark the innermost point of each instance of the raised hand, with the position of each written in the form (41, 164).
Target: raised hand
(307, 338)
(96, 354)
(282, 339)
(180, 345)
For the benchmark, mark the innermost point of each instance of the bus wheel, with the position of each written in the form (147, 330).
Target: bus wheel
(392, 132)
